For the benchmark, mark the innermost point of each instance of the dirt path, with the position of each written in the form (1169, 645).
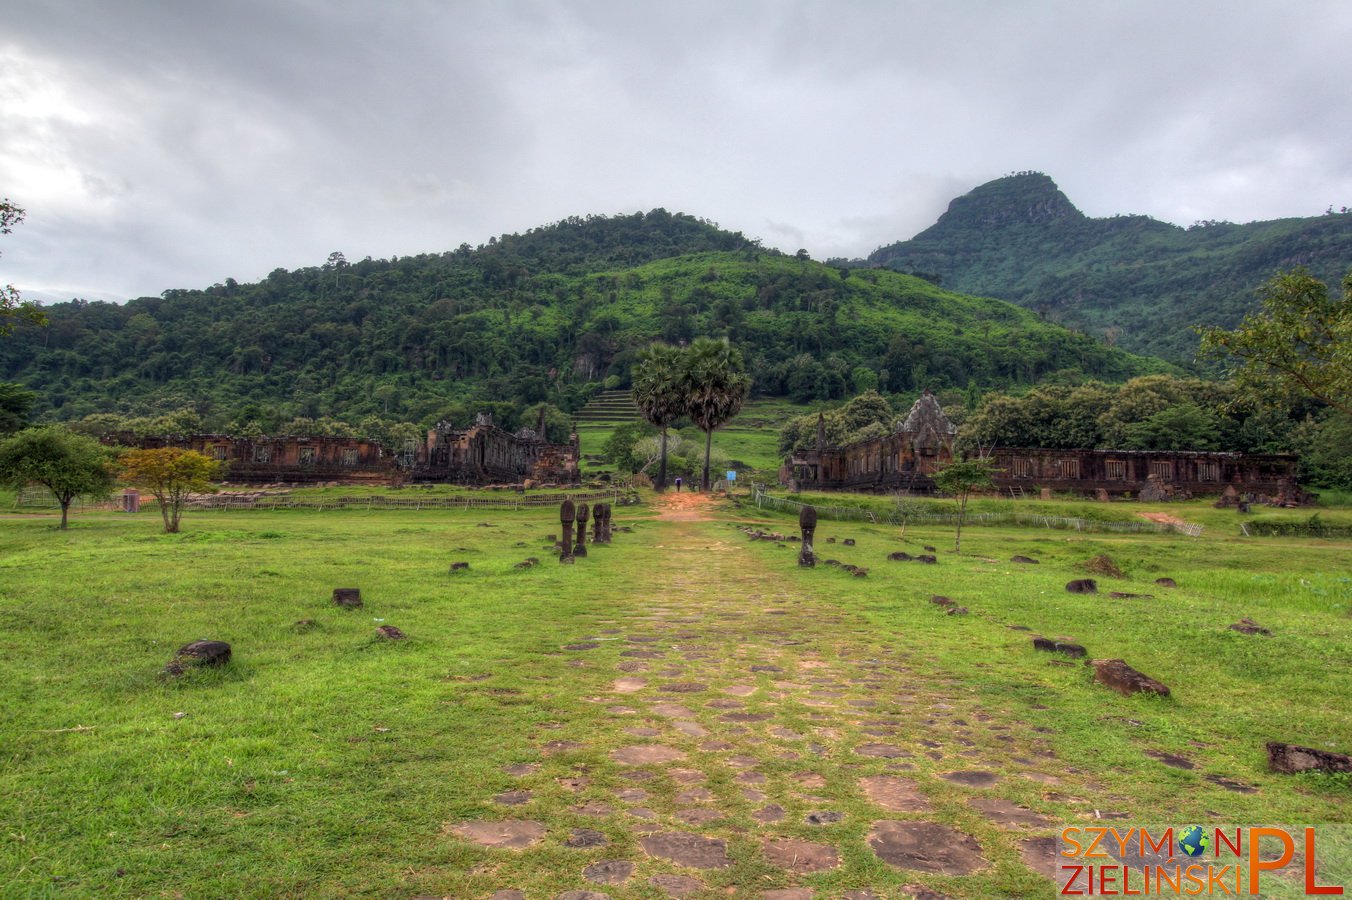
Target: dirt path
(684, 506)
(762, 743)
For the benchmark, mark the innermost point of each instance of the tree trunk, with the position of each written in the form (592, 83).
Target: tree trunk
(962, 511)
(65, 508)
(164, 512)
(662, 466)
(708, 448)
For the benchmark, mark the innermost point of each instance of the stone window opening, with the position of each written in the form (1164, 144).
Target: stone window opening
(262, 453)
(349, 456)
(1116, 469)
(306, 456)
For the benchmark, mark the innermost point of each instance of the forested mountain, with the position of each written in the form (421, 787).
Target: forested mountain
(1133, 280)
(547, 316)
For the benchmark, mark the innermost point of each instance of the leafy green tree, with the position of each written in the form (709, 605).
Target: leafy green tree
(12, 306)
(170, 474)
(962, 478)
(67, 464)
(1186, 426)
(1326, 451)
(660, 393)
(1300, 342)
(15, 404)
(715, 387)
(618, 448)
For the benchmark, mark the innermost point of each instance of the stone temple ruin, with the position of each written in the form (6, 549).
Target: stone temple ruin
(920, 445)
(923, 443)
(481, 454)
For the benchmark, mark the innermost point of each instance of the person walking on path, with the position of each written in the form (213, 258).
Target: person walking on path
(678, 484)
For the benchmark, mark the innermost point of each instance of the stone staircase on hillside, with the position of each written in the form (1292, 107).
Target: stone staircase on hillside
(608, 409)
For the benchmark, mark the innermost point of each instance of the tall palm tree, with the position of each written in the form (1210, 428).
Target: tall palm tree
(716, 385)
(658, 387)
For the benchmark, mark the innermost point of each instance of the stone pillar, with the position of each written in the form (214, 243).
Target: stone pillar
(582, 513)
(610, 533)
(807, 523)
(566, 516)
(599, 523)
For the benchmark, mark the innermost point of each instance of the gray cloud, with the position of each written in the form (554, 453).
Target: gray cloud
(174, 145)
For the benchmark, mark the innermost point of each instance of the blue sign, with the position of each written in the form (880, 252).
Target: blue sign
(732, 476)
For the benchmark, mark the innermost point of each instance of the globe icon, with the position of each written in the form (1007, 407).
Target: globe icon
(1194, 841)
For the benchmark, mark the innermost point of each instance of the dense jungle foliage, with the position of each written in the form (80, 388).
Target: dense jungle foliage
(549, 316)
(1139, 283)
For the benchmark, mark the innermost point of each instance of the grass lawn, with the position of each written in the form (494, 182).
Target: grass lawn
(325, 761)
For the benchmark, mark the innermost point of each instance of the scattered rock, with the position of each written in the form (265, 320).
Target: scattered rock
(677, 886)
(939, 600)
(584, 645)
(582, 895)
(929, 549)
(1054, 646)
(956, 611)
(513, 798)
(893, 793)
(1249, 626)
(1290, 759)
(1003, 812)
(1042, 855)
(823, 817)
(609, 871)
(900, 556)
(594, 808)
(198, 654)
(1082, 586)
(926, 847)
(348, 598)
(1025, 560)
(1166, 582)
(585, 839)
(1104, 565)
(1116, 674)
(502, 835)
(881, 751)
(459, 567)
(684, 687)
(390, 633)
(645, 754)
(927, 559)
(769, 814)
(687, 849)
(304, 626)
(1171, 759)
(848, 542)
(974, 778)
(1124, 595)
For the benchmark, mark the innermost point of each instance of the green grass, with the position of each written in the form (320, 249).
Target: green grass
(325, 762)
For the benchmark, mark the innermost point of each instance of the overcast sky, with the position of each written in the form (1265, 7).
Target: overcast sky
(173, 144)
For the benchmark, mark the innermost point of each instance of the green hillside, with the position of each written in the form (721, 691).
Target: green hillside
(554, 315)
(1134, 280)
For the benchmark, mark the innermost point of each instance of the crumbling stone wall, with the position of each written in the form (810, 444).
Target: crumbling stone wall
(923, 443)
